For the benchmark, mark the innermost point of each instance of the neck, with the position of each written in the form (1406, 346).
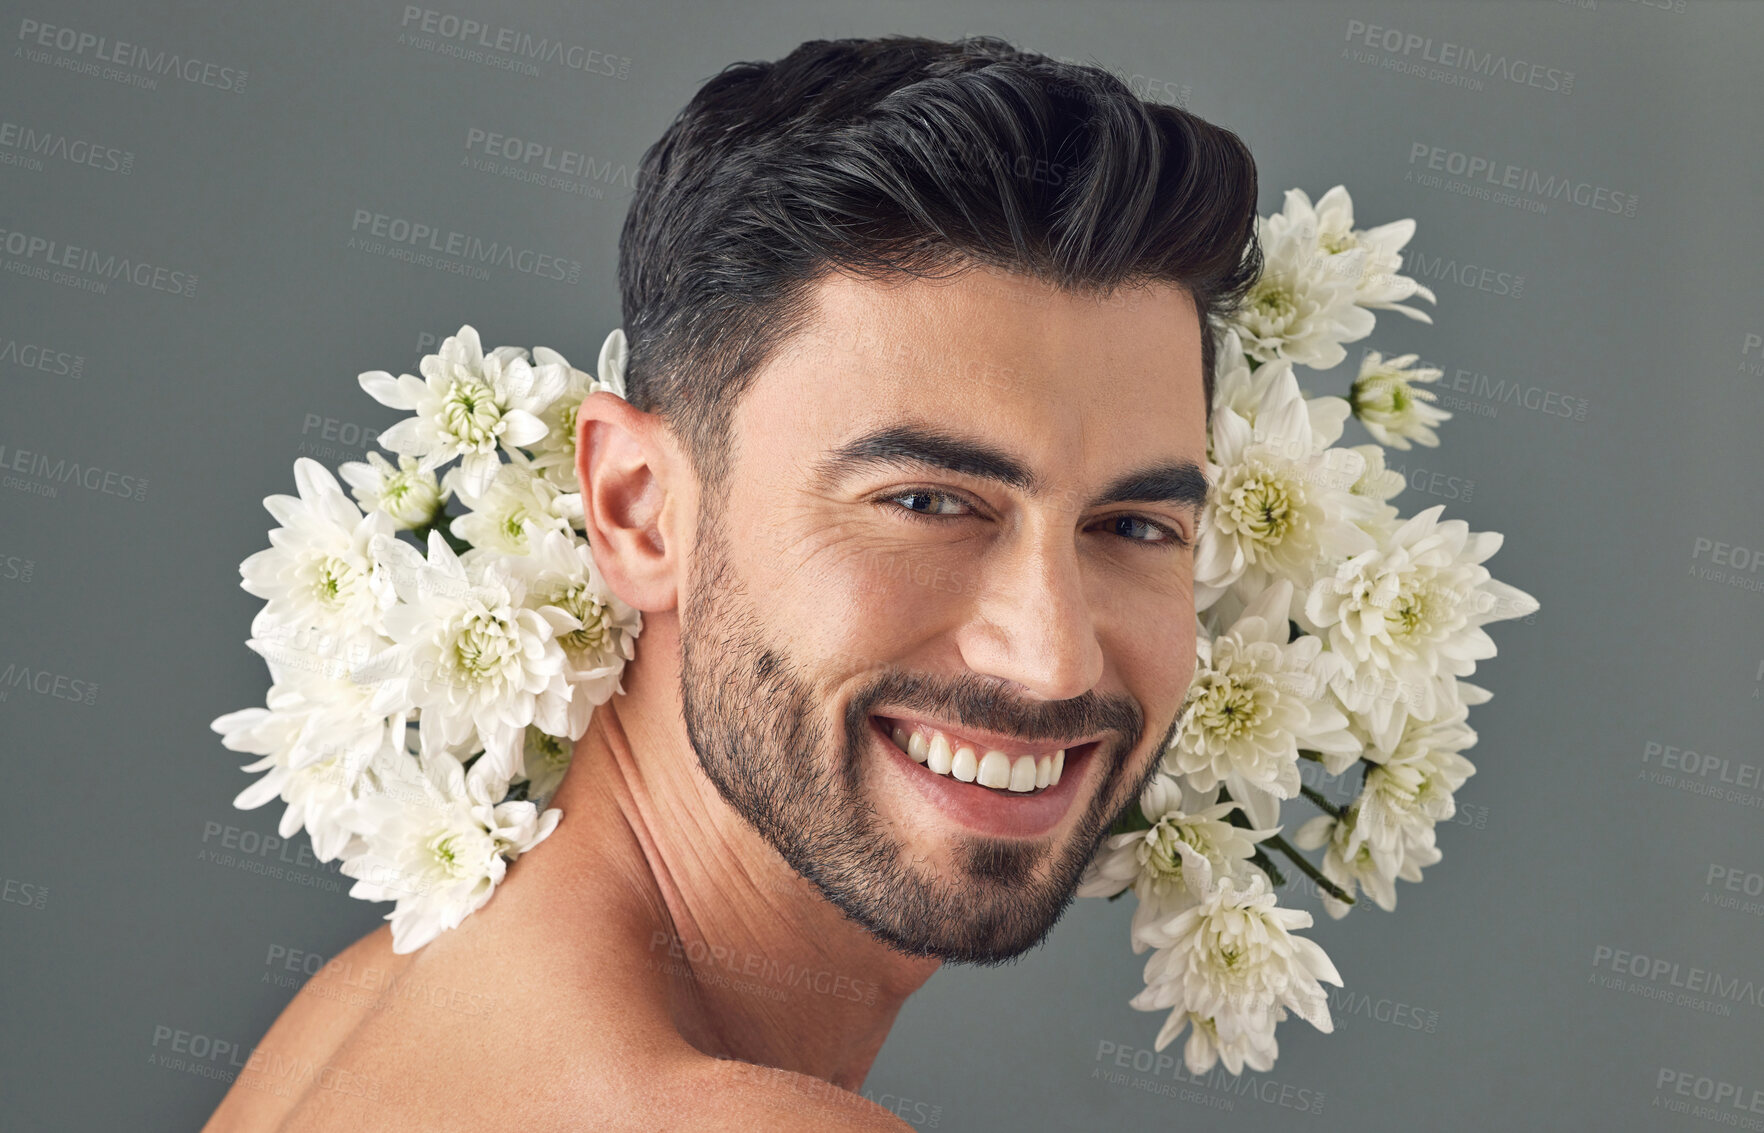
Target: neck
(751, 960)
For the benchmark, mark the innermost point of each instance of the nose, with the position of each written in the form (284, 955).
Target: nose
(1032, 623)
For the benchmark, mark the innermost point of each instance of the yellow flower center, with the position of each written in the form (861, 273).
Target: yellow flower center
(471, 415)
(1262, 506)
(595, 634)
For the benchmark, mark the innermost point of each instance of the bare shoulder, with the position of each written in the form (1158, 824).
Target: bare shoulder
(738, 1095)
(321, 1017)
(379, 1041)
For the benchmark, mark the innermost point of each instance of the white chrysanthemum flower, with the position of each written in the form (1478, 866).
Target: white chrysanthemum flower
(1391, 407)
(471, 655)
(1254, 1047)
(560, 572)
(611, 366)
(1303, 306)
(1171, 865)
(1237, 385)
(1378, 484)
(470, 405)
(317, 791)
(1256, 699)
(1408, 616)
(1355, 860)
(319, 570)
(555, 456)
(545, 760)
(408, 493)
(1279, 507)
(441, 854)
(1231, 960)
(347, 712)
(1413, 786)
(1379, 284)
(514, 511)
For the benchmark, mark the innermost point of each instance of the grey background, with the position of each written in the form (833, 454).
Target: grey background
(1563, 845)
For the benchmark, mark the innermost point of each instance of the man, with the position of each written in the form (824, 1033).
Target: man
(905, 488)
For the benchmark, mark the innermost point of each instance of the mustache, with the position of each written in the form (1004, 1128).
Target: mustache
(983, 705)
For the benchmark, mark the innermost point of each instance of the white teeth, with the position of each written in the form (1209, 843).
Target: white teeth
(995, 770)
(937, 755)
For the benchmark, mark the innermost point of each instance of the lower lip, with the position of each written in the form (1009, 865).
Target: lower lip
(1008, 814)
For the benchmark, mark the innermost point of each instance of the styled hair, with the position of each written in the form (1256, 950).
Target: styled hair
(915, 156)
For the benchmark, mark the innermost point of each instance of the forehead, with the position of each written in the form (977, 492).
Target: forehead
(1081, 383)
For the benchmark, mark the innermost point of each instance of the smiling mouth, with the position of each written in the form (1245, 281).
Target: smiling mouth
(1024, 774)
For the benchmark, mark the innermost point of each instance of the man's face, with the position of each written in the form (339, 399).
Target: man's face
(957, 506)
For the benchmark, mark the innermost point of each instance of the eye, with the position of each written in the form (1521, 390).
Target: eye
(926, 495)
(1161, 535)
(929, 505)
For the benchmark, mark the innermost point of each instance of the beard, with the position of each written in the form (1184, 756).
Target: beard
(756, 723)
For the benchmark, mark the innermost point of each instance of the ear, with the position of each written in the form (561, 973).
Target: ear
(634, 482)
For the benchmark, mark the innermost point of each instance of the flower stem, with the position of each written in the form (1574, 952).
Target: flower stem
(1309, 870)
(1316, 796)
(1263, 862)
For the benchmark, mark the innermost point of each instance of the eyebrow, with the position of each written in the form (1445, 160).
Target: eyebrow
(1180, 482)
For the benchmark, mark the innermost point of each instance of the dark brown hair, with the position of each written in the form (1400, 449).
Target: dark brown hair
(907, 155)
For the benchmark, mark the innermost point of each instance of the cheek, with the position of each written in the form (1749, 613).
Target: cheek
(1158, 664)
(844, 595)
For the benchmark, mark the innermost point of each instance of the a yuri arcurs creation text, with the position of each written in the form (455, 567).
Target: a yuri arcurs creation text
(431, 668)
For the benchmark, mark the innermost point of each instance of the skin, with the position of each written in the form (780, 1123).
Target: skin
(657, 963)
